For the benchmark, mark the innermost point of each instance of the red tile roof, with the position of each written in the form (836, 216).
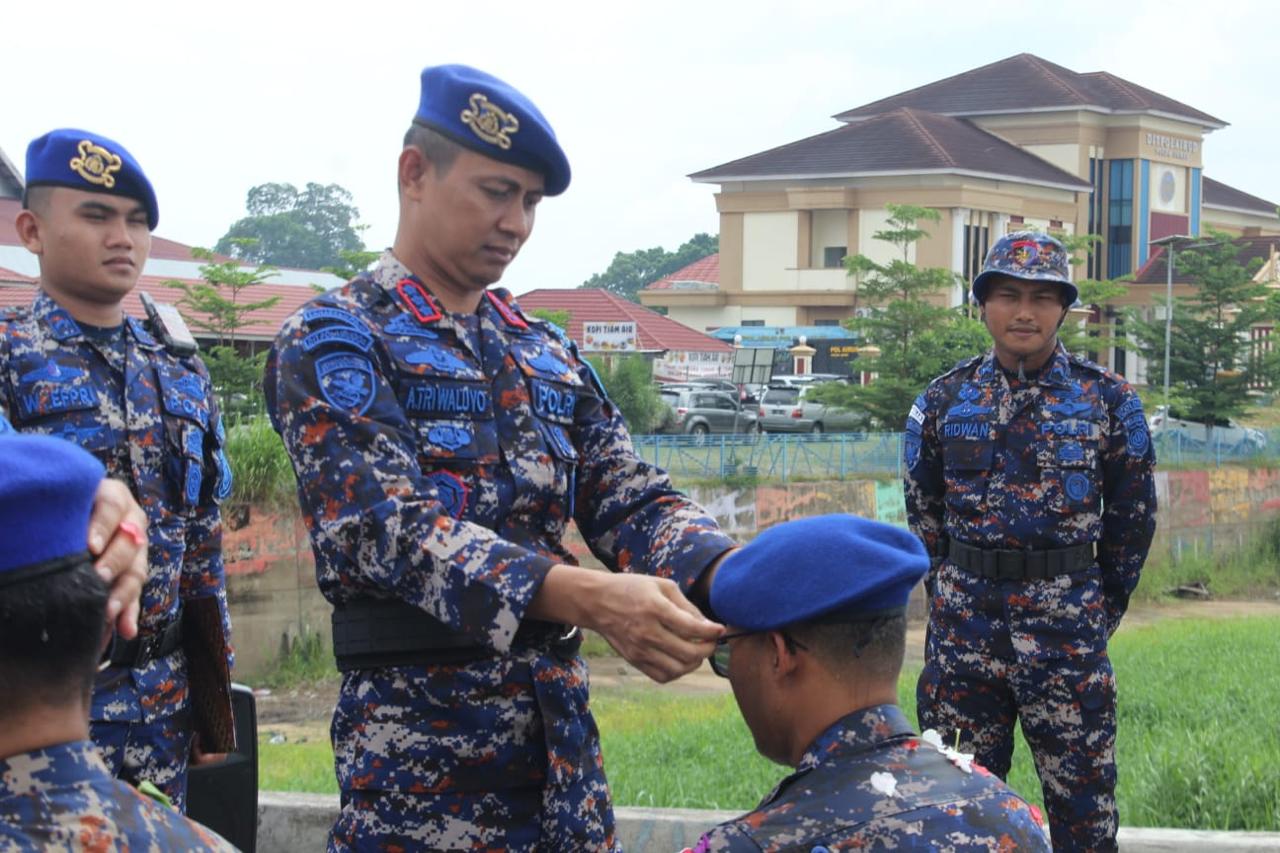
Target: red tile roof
(897, 142)
(704, 271)
(593, 305)
(1250, 248)
(1218, 194)
(266, 323)
(161, 249)
(8, 275)
(1025, 82)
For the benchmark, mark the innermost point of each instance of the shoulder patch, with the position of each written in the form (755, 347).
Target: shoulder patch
(346, 381)
(324, 312)
(338, 335)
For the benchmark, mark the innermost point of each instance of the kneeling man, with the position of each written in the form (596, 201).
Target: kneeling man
(813, 656)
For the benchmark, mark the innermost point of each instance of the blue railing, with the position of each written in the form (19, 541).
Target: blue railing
(785, 457)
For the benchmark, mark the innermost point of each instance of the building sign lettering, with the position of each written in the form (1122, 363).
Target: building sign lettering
(1172, 147)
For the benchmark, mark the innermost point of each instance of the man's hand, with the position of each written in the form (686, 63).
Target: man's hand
(118, 543)
(647, 619)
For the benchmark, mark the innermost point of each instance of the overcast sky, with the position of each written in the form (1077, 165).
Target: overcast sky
(214, 98)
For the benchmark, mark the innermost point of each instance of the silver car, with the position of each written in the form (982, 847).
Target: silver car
(785, 408)
(702, 411)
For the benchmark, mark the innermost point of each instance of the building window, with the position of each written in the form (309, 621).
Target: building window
(1016, 220)
(826, 321)
(1093, 268)
(977, 239)
(1119, 218)
(753, 322)
(833, 256)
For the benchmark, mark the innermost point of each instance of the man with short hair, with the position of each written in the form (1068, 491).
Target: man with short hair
(443, 440)
(813, 656)
(135, 395)
(55, 791)
(1029, 480)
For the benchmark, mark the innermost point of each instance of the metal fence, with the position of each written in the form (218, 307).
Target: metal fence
(784, 457)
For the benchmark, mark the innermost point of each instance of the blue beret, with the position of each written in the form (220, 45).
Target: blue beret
(831, 566)
(86, 161)
(47, 487)
(480, 112)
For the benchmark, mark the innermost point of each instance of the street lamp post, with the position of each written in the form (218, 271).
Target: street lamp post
(1172, 241)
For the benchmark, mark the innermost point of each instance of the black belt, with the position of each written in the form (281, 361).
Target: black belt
(141, 650)
(1001, 564)
(369, 633)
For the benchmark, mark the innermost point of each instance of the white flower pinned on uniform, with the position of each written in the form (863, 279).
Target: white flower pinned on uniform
(963, 760)
(885, 783)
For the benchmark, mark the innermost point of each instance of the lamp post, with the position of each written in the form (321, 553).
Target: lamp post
(1173, 241)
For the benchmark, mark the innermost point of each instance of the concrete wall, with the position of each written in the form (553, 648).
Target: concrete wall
(271, 578)
(293, 822)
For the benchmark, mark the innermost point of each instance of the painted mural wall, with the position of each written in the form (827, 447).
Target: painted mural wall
(271, 576)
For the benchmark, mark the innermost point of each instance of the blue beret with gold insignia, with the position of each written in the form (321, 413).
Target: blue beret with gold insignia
(86, 161)
(828, 567)
(482, 113)
(47, 487)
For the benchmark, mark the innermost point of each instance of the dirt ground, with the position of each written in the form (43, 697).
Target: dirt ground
(303, 713)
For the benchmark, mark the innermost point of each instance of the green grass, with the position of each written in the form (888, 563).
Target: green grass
(259, 464)
(307, 661)
(1252, 570)
(1199, 742)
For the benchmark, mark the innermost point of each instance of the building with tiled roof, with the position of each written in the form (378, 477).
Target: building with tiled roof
(1019, 143)
(677, 351)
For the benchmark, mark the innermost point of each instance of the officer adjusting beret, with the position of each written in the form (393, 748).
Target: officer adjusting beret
(836, 567)
(86, 161)
(47, 487)
(482, 113)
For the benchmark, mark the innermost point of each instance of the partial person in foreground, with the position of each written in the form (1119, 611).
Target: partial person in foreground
(443, 441)
(813, 656)
(55, 791)
(135, 394)
(1029, 478)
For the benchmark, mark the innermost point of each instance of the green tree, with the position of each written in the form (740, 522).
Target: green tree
(629, 384)
(1212, 362)
(1091, 336)
(308, 228)
(559, 318)
(631, 271)
(909, 338)
(351, 263)
(217, 305)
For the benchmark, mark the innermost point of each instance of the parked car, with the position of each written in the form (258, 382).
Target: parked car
(738, 391)
(1226, 433)
(704, 411)
(786, 408)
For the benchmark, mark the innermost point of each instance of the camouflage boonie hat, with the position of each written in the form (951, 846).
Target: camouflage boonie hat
(1030, 256)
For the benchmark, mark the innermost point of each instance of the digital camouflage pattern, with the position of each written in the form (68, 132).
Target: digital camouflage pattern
(869, 783)
(1060, 459)
(150, 418)
(439, 457)
(63, 798)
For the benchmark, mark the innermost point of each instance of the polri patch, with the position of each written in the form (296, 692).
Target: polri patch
(447, 399)
(555, 403)
(346, 381)
(338, 335)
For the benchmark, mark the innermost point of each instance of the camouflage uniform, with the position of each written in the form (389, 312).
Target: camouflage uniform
(831, 803)
(1057, 460)
(439, 457)
(150, 418)
(63, 798)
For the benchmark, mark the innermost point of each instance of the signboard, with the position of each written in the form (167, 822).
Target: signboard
(678, 365)
(752, 366)
(609, 337)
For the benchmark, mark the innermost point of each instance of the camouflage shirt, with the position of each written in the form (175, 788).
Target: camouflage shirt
(869, 783)
(150, 418)
(63, 798)
(439, 458)
(1060, 459)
